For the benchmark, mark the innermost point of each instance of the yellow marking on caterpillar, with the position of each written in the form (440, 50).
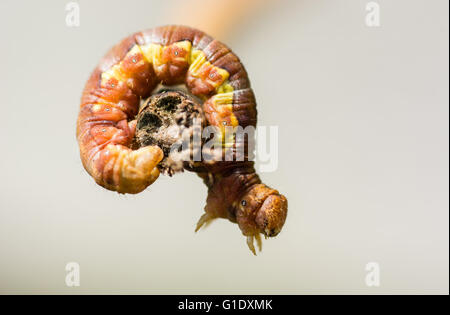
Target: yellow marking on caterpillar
(186, 46)
(225, 88)
(199, 65)
(223, 105)
(196, 60)
(113, 72)
(223, 99)
(157, 54)
(151, 52)
(154, 54)
(116, 71)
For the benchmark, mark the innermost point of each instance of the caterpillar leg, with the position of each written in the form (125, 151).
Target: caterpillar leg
(250, 242)
(204, 220)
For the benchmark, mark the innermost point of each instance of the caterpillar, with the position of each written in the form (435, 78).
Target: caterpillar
(210, 71)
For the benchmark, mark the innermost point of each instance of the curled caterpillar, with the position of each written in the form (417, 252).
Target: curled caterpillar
(210, 71)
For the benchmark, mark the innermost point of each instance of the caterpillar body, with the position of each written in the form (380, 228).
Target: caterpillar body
(172, 55)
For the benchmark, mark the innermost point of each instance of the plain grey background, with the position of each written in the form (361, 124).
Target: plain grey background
(363, 154)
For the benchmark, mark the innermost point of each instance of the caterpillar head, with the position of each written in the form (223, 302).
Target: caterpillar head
(262, 210)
